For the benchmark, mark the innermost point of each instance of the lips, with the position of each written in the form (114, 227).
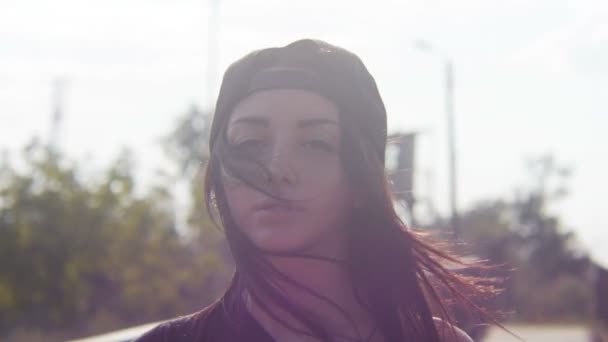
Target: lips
(274, 205)
(272, 210)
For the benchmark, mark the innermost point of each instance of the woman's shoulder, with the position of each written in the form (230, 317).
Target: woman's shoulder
(450, 333)
(193, 327)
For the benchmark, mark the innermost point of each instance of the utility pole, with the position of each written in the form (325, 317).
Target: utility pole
(449, 112)
(212, 51)
(57, 112)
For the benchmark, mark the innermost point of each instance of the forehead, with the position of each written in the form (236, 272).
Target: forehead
(285, 106)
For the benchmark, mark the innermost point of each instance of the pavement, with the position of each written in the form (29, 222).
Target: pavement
(541, 333)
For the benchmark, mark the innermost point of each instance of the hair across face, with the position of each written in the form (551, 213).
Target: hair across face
(306, 90)
(296, 196)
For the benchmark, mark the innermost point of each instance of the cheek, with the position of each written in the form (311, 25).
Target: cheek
(324, 180)
(239, 198)
(333, 204)
(331, 198)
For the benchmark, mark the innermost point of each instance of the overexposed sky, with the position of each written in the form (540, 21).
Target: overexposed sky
(531, 78)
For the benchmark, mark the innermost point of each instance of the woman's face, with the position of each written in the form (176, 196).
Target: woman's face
(296, 135)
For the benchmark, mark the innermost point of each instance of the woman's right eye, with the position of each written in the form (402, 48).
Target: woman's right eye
(250, 143)
(251, 146)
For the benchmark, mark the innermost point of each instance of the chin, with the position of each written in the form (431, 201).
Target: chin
(281, 243)
(282, 246)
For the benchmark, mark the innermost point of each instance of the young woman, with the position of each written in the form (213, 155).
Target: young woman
(297, 179)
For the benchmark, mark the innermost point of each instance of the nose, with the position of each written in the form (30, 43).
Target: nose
(280, 169)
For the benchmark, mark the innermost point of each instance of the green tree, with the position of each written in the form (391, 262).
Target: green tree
(89, 255)
(187, 145)
(549, 270)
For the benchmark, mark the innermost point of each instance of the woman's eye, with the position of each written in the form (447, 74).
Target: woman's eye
(251, 145)
(319, 144)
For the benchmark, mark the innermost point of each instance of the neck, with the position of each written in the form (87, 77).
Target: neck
(327, 279)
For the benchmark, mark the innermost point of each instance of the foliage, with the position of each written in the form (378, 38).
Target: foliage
(546, 271)
(93, 255)
(187, 143)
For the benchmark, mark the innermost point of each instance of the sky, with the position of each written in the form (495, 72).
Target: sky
(531, 78)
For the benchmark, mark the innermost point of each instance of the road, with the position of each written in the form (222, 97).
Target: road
(543, 333)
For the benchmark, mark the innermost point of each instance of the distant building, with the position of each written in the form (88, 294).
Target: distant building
(600, 287)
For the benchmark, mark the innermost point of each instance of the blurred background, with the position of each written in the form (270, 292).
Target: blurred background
(497, 111)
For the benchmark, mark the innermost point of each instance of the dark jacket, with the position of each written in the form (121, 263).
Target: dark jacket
(226, 320)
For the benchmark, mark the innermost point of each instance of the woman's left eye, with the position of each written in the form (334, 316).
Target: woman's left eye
(319, 144)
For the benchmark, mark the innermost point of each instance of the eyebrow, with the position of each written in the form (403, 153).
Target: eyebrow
(304, 123)
(251, 120)
(316, 122)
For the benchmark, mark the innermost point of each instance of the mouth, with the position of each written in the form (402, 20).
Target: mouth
(274, 205)
(274, 211)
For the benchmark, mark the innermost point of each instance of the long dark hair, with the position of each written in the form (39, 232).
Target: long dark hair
(400, 279)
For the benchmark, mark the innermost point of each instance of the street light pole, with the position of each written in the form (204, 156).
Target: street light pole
(212, 51)
(449, 112)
